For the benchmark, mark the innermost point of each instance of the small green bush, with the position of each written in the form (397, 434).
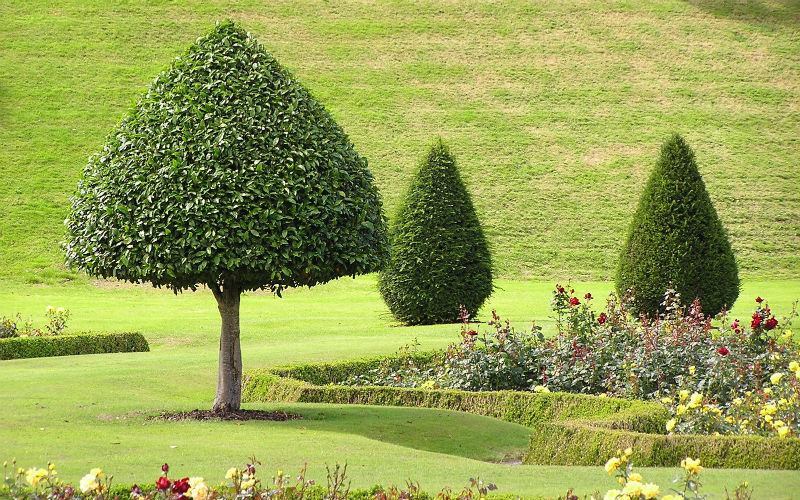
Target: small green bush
(68, 345)
(440, 260)
(676, 240)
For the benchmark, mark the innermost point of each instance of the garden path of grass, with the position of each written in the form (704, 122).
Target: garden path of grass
(84, 411)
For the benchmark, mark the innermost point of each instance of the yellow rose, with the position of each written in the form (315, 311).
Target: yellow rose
(769, 409)
(541, 388)
(775, 378)
(650, 490)
(635, 476)
(97, 472)
(794, 366)
(680, 409)
(695, 400)
(767, 418)
(246, 485)
(199, 489)
(232, 473)
(35, 475)
(612, 495)
(50, 310)
(692, 370)
(768, 391)
(61, 310)
(628, 451)
(666, 400)
(730, 419)
(612, 464)
(783, 431)
(89, 483)
(683, 395)
(671, 424)
(671, 497)
(633, 489)
(691, 465)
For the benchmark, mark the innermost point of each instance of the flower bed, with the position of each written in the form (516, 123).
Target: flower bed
(727, 377)
(68, 345)
(246, 484)
(569, 429)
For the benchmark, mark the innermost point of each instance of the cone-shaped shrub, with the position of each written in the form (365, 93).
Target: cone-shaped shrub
(439, 256)
(227, 173)
(676, 239)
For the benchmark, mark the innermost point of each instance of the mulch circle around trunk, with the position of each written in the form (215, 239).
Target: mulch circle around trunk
(274, 416)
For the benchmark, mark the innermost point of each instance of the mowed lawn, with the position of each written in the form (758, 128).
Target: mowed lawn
(85, 411)
(555, 109)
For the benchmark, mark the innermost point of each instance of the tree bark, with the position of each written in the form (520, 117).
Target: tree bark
(229, 380)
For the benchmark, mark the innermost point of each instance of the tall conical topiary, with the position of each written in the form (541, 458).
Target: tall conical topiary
(676, 239)
(439, 256)
(227, 173)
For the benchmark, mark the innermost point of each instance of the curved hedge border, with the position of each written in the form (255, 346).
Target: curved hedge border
(67, 345)
(568, 429)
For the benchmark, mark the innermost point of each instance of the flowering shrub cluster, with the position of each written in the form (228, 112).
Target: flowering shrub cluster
(43, 484)
(680, 358)
(633, 487)
(244, 484)
(17, 327)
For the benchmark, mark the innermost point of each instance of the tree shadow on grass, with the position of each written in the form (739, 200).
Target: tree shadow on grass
(440, 431)
(760, 12)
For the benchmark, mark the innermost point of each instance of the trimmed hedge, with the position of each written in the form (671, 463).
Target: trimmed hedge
(676, 240)
(440, 260)
(568, 429)
(68, 345)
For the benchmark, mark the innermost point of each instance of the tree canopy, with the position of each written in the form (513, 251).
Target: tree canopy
(227, 167)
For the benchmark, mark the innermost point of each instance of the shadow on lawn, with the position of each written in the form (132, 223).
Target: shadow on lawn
(760, 12)
(439, 431)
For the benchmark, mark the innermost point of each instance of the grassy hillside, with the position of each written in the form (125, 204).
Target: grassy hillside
(556, 110)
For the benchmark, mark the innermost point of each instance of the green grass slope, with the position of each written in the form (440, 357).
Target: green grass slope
(555, 110)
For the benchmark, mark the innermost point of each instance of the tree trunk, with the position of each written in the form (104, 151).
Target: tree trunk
(229, 381)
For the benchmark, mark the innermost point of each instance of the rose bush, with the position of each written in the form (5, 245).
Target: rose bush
(621, 354)
(15, 326)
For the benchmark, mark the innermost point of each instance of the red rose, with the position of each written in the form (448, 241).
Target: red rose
(756, 321)
(735, 324)
(759, 300)
(602, 318)
(163, 483)
(472, 332)
(560, 288)
(181, 486)
(771, 323)
(165, 468)
(723, 351)
(574, 301)
(588, 296)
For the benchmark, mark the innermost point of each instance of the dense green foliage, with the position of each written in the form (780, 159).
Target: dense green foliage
(569, 429)
(676, 240)
(227, 168)
(68, 345)
(440, 260)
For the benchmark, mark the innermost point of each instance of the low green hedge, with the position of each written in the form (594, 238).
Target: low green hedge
(67, 345)
(568, 429)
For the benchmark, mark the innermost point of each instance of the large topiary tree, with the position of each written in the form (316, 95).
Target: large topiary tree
(227, 173)
(676, 239)
(439, 256)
